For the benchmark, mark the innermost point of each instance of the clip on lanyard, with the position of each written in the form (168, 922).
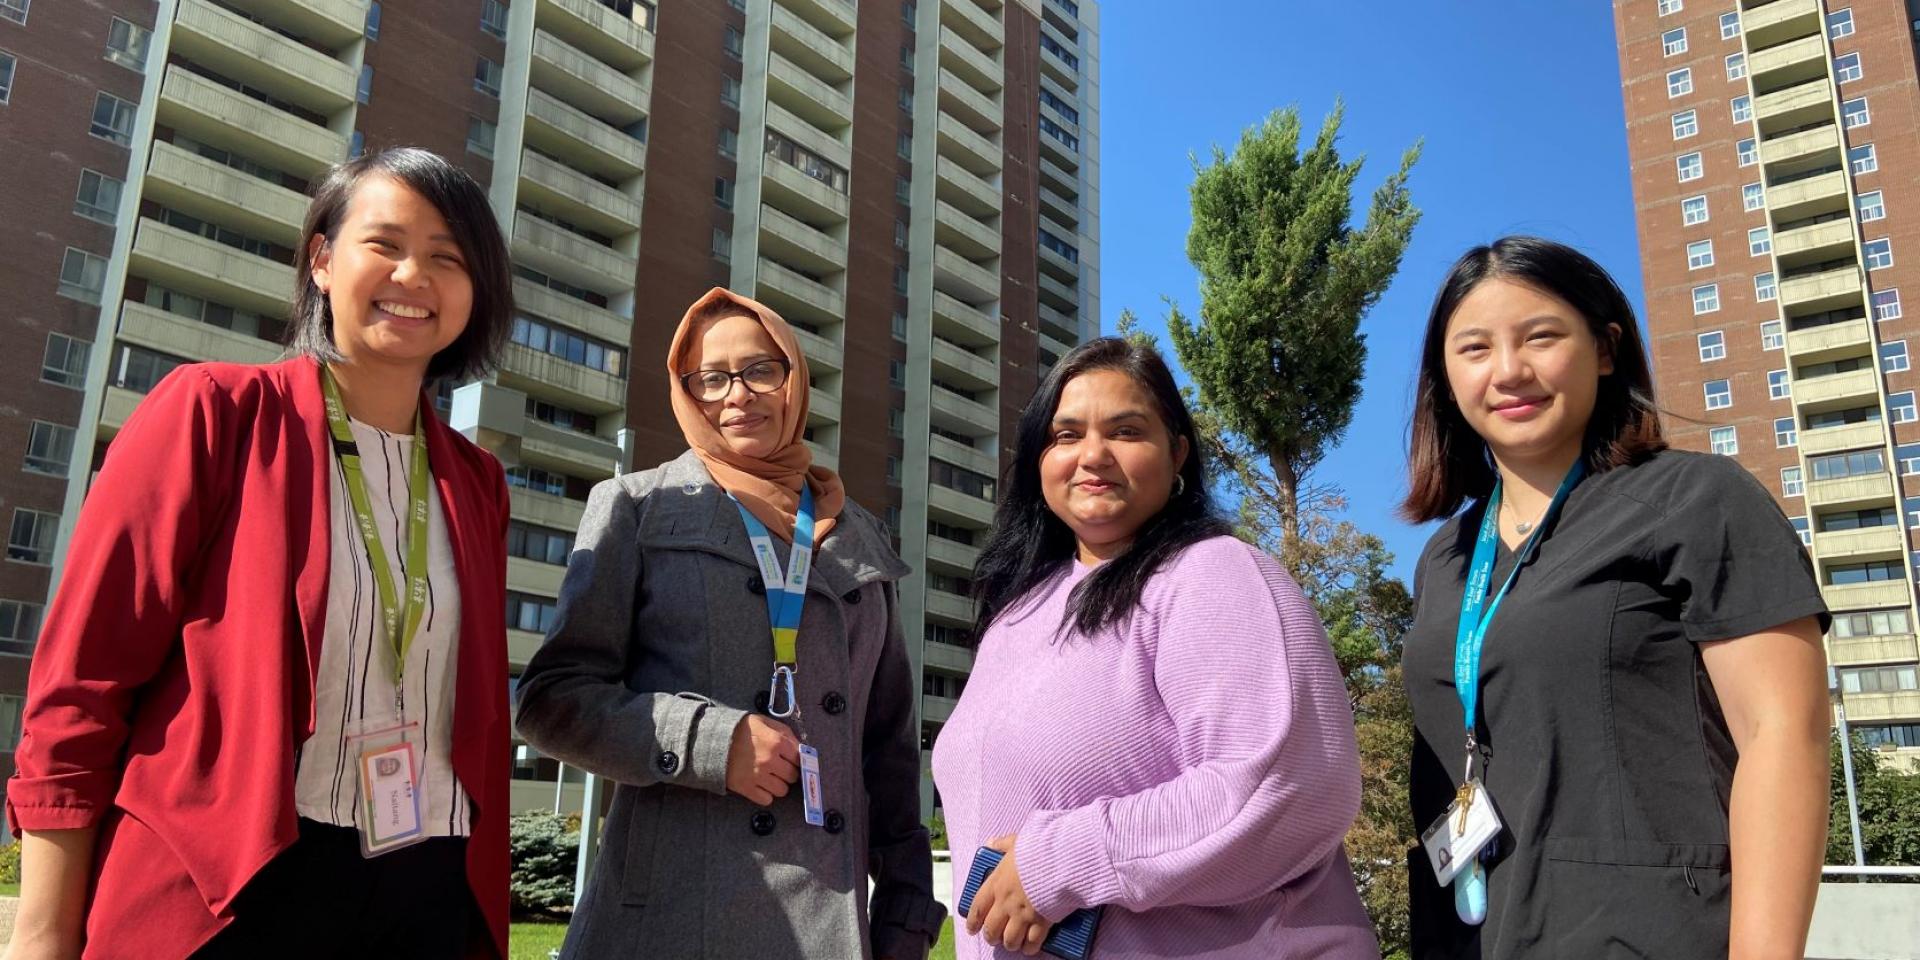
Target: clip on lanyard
(786, 596)
(401, 614)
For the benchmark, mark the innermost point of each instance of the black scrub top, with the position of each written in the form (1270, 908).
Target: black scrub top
(1607, 755)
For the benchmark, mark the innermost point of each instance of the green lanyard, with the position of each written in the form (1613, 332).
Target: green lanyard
(402, 614)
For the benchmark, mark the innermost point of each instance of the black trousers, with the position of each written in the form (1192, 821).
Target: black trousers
(321, 899)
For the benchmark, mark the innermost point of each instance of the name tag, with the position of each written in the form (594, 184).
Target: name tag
(392, 813)
(810, 785)
(1461, 833)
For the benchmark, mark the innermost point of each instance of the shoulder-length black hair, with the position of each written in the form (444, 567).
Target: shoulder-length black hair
(462, 202)
(1029, 544)
(1447, 462)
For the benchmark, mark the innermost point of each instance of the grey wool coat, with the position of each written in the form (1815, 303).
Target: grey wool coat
(660, 648)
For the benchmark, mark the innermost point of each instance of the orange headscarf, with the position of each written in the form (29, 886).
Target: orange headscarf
(768, 487)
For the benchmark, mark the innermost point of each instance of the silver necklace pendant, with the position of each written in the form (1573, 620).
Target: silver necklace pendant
(1523, 527)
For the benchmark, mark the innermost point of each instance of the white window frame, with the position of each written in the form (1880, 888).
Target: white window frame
(1729, 25)
(1741, 108)
(1700, 254)
(1674, 42)
(1759, 241)
(1885, 311)
(1873, 260)
(488, 76)
(1698, 167)
(1872, 202)
(1686, 124)
(45, 526)
(1712, 345)
(94, 210)
(1680, 82)
(1718, 399)
(9, 66)
(74, 378)
(1669, 7)
(138, 41)
(47, 438)
(1899, 410)
(1845, 71)
(1909, 466)
(1736, 66)
(120, 108)
(1850, 118)
(1865, 164)
(1894, 360)
(1794, 485)
(1840, 23)
(1687, 208)
(481, 127)
(1773, 335)
(1748, 151)
(1753, 196)
(1765, 288)
(15, 10)
(1779, 385)
(1724, 441)
(79, 289)
(1706, 299)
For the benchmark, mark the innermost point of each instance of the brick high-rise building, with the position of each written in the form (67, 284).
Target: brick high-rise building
(1776, 175)
(913, 185)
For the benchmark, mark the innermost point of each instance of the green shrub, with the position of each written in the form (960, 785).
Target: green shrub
(10, 863)
(545, 849)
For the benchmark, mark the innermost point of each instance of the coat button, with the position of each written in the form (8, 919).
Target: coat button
(669, 762)
(755, 587)
(760, 702)
(833, 703)
(851, 596)
(835, 822)
(690, 488)
(762, 824)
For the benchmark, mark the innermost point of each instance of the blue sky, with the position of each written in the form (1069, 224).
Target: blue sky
(1519, 104)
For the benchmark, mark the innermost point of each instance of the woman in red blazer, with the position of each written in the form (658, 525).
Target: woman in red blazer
(234, 732)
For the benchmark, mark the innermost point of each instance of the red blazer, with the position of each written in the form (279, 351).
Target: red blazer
(174, 675)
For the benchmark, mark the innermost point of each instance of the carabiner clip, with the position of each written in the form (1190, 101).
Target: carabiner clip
(773, 692)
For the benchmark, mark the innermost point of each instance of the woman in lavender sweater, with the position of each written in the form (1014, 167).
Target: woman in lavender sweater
(1154, 723)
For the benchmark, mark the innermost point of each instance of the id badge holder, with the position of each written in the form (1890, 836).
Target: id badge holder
(386, 756)
(810, 785)
(1456, 839)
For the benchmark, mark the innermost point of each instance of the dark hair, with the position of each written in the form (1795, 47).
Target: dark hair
(1028, 544)
(463, 203)
(1447, 462)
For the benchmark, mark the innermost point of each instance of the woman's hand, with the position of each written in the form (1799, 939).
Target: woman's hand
(27, 946)
(1000, 907)
(763, 759)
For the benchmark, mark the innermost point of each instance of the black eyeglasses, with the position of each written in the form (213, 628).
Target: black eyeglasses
(712, 386)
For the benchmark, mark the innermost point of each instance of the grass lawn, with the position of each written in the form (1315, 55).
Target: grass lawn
(9, 889)
(531, 941)
(944, 949)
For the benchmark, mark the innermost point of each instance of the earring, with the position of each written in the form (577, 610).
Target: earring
(1179, 486)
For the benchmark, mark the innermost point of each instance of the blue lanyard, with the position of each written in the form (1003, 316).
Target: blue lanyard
(786, 594)
(1473, 624)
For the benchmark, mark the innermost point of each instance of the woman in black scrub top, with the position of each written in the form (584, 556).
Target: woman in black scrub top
(1652, 714)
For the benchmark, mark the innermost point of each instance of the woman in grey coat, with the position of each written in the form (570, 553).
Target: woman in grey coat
(723, 842)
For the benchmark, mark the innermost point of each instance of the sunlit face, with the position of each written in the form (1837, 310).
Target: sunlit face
(752, 424)
(394, 277)
(1524, 368)
(1112, 463)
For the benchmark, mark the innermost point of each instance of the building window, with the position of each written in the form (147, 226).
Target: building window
(366, 83)
(1706, 298)
(1753, 197)
(1670, 6)
(1748, 151)
(903, 146)
(1886, 304)
(127, 44)
(1779, 386)
(893, 471)
(530, 613)
(903, 189)
(30, 539)
(486, 77)
(99, 197)
(1693, 210)
(1729, 25)
(480, 136)
(733, 43)
(112, 119)
(1880, 679)
(1724, 440)
(1674, 42)
(909, 12)
(730, 92)
(82, 276)
(7, 63)
(1784, 435)
(1736, 66)
(1863, 159)
(493, 18)
(357, 144)
(1801, 527)
(15, 10)
(900, 326)
(729, 143)
(1792, 482)
(896, 422)
(1893, 357)
(1719, 394)
(1908, 457)
(897, 373)
(1713, 346)
(1764, 289)
(1699, 254)
(539, 544)
(20, 627)
(558, 341)
(1685, 124)
(900, 277)
(906, 60)
(1679, 83)
(65, 362)
(1840, 23)
(906, 100)
(373, 21)
(723, 192)
(1773, 335)
(722, 245)
(1759, 242)
(900, 234)
(1900, 407)
(49, 448)
(1854, 112)
(1879, 253)
(806, 161)
(1690, 167)
(1846, 69)
(1742, 109)
(1873, 206)
(1839, 466)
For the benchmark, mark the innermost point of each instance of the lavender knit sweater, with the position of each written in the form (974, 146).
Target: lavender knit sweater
(1194, 769)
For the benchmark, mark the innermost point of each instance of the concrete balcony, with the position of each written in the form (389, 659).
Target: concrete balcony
(957, 142)
(1786, 64)
(556, 188)
(1818, 292)
(565, 131)
(954, 229)
(936, 709)
(1058, 206)
(974, 196)
(599, 30)
(971, 107)
(809, 46)
(812, 99)
(531, 794)
(559, 252)
(1058, 348)
(834, 17)
(1819, 243)
(803, 132)
(956, 275)
(951, 557)
(544, 375)
(973, 23)
(1810, 197)
(1057, 295)
(115, 407)
(946, 656)
(969, 418)
(569, 451)
(970, 63)
(963, 367)
(569, 73)
(1852, 436)
(1804, 150)
(531, 298)
(213, 191)
(193, 264)
(334, 24)
(823, 408)
(821, 352)
(1061, 324)
(545, 509)
(789, 188)
(1855, 651)
(1904, 705)
(799, 297)
(226, 118)
(1780, 21)
(1872, 490)
(1867, 596)
(1859, 546)
(822, 456)
(234, 46)
(963, 323)
(1833, 341)
(1059, 179)
(532, 576)
(959, 454)
(799, 243)
(1058, 70)
(1795, 106)
(1837, 391)
(952, 507)
(170, 333)
(1058, 266)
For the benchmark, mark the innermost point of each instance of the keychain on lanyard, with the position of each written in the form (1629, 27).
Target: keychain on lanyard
(1470, 884)
(786, 596)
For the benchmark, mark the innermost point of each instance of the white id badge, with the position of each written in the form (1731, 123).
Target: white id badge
(391, 795)
(810, 785)
(1456, 838)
